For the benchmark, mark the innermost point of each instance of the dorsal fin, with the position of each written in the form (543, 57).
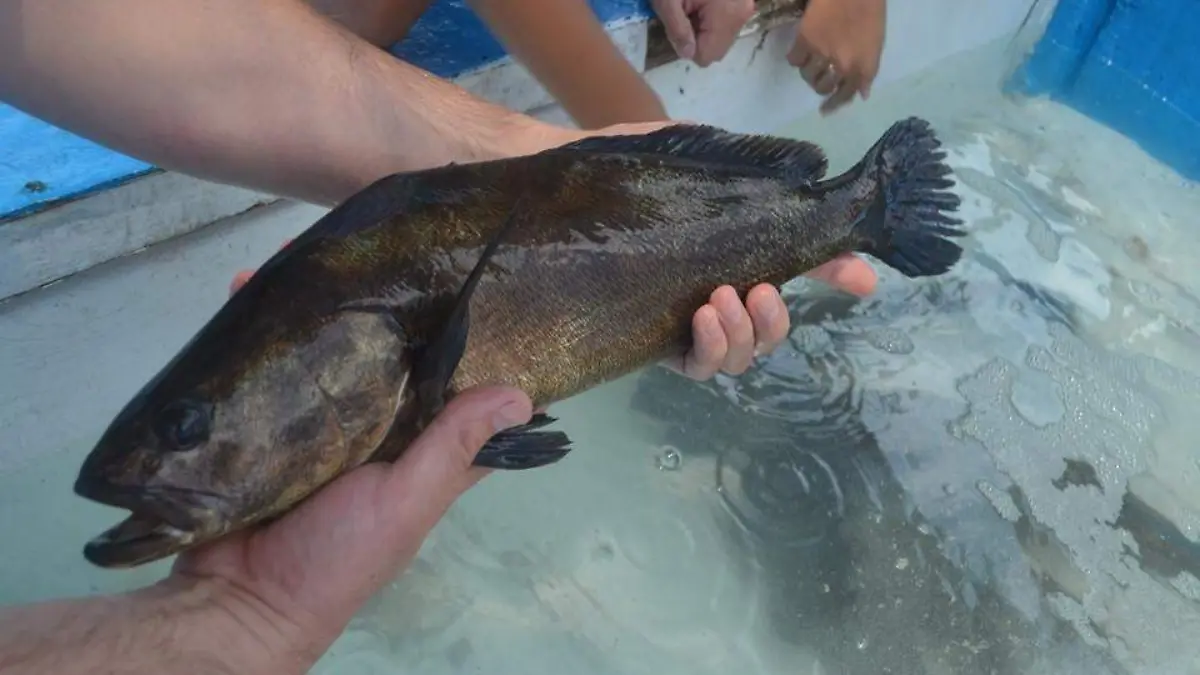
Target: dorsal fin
(800, 160)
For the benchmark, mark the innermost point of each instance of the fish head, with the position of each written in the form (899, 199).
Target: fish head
(236, 430)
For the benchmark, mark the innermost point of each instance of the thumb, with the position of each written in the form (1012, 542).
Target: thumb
(678, 27)
(337, 549)
(436, 468)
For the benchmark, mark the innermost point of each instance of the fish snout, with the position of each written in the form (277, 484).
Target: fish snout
(163, 520)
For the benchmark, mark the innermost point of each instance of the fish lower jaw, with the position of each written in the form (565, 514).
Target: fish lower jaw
(137, 540)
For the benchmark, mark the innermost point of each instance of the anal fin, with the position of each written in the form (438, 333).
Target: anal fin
(524, 447)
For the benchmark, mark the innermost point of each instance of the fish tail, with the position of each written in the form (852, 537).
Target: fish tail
(909, 227)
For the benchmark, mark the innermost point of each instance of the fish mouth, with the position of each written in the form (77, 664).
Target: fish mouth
(162, 522)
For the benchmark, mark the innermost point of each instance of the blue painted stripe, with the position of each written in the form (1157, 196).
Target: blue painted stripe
(449, 39)
(41, 165)
(1129, 65)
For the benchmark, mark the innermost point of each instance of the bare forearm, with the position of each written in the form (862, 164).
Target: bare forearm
(120, 634)
(179, 627)
(566, 47)
(267, 94)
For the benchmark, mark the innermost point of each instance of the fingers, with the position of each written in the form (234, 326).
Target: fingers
(800, 53)
(240, 280)
(770, 317)
(819, 72)
(709, 345)
(727, 334)
(436, 469)
(847, 273)
(843, 93)
(678, 27)
(720, 23)
(835, 75)
(738, 328)
(243, 276)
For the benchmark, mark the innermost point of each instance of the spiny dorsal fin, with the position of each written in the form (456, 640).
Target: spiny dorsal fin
(702, 143)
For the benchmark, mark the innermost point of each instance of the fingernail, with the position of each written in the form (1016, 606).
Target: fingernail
(687, 50)
(509, 415)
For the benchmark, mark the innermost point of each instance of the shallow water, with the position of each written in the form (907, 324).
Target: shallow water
(986, 472)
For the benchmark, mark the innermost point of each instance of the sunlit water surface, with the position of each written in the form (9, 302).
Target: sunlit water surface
(987, 472)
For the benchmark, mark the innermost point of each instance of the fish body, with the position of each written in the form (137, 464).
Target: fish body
(552, 273)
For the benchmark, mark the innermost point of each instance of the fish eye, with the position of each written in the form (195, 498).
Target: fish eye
(183, 425)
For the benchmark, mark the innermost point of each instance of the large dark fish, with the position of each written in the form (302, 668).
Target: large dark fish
(554, 273)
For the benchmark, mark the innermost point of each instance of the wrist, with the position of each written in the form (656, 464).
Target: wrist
(235, 628)
(204, 623)
(517, 135)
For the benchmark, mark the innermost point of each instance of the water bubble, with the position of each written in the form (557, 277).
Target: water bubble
(669, 458)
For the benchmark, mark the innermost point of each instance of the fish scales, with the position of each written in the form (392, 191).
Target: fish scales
(552, 273)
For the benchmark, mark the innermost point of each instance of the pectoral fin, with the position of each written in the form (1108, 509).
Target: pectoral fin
(524, 447)
(439, 358)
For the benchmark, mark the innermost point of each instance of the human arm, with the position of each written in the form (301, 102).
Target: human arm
(702, 31)
(181, 625)
(838, 47)
(220, 90)
(270, 601)
(267, 95)
(566, 48)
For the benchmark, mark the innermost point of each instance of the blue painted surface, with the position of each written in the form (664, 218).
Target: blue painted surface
(1129, 64)
(449, 39)
(41, 164)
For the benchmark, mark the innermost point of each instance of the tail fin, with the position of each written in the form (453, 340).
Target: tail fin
(910, 226)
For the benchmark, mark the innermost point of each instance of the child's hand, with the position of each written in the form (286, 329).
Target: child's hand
(837, 49)
(702, 31)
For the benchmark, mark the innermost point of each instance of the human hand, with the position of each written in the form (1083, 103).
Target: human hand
(728, 333)
(838, 46)
(703, 30)
(294, 584)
